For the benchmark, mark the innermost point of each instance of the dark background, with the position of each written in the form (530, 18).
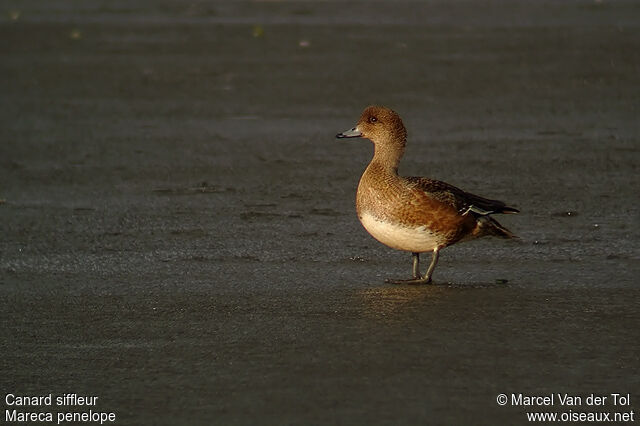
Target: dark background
(178, 231)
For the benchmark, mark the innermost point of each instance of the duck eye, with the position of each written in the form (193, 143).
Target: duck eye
(372, 119)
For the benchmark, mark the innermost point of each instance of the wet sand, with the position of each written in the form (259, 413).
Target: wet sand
(178, 229)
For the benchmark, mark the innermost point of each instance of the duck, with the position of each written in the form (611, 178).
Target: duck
(415, 214)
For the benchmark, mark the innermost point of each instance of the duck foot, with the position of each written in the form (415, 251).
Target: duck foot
(417, 278)
(411, 281)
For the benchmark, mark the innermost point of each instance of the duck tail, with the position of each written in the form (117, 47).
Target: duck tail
(490, 226)
(508, 210)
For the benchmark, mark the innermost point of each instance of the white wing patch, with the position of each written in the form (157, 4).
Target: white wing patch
(475, 209)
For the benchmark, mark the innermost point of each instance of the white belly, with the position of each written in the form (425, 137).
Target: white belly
(415, 239)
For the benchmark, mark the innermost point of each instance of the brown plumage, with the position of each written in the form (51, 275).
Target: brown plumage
(415, 214)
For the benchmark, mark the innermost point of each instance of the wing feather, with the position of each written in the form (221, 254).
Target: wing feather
(463, 202)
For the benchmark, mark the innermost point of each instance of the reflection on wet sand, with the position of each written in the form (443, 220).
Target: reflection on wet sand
(389, 301)
(399, 300)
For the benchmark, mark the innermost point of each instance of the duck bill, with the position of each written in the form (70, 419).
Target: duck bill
(352, 133)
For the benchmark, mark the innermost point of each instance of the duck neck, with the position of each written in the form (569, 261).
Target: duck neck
(388, 155)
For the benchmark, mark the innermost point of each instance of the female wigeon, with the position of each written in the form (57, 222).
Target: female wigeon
(415, 214)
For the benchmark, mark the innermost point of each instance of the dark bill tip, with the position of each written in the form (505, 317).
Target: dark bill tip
(352, 133)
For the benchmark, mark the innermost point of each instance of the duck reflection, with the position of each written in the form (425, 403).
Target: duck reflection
(389, 302)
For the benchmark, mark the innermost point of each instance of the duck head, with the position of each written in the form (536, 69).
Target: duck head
(380, 125)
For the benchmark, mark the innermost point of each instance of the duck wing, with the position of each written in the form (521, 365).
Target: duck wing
(463, 202)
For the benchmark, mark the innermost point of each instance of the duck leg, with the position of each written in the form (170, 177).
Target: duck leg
(432, 265)
(417, 278)
(416, 265)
